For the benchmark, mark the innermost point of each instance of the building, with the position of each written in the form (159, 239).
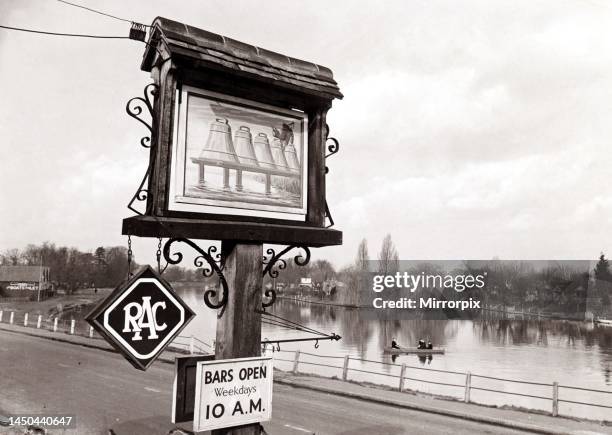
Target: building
(31, 282)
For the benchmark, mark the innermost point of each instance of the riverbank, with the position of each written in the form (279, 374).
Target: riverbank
(316, 301)
(56, 304)
(508, 418)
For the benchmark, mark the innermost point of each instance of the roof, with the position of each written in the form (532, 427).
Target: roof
(21, 273)
(191, 42)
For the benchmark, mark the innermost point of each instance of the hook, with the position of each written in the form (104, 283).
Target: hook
(317, 344)
(278, 346)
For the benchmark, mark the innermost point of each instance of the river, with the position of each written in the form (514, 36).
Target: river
(570, 353)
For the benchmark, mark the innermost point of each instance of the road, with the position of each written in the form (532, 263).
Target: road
(105, 392)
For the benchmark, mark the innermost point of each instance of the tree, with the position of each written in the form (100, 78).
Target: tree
(99, 266)
(602, 269)
(100, 256)
(388, 258)
(322, 270)
(116, 269)
(31, 255)
(11, 257)
(362, 259)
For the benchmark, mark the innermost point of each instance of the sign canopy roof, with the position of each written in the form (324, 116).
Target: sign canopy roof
(220, 52)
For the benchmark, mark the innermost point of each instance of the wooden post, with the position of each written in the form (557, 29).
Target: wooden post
(296, 361)
(55, 325)
(468, 386)
(191, 345)
(1, 313)
(72, 322)
(12, 318)
(555, 399)
(402, 374)
(239, 328)
(91, 332)
(25, 319)
(38, 322)
(345, 368)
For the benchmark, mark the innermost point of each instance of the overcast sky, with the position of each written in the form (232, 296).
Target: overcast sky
(469, 129)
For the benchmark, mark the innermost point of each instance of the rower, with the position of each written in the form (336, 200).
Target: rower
(421, 344)
(394, 344)
(429, 345)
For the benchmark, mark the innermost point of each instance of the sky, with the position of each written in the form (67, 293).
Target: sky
(469, 130)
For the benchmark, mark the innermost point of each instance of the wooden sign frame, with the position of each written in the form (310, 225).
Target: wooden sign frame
(179, 56)
(184, 390)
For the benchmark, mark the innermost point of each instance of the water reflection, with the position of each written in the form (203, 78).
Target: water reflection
(465, 340)
(582, 351)
(571, 353)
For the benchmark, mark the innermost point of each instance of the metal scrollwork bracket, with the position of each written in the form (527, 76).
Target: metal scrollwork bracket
(135, 109)
(332, 149)
(211, 262)
(273, 263)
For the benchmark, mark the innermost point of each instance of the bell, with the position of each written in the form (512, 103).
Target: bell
(292, 159)
(219, 145)
(278, 155)
(243, 143)
(263, 151)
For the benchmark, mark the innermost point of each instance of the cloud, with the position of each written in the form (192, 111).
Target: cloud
(468, 129)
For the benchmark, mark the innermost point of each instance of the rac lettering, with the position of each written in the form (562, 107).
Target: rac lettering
(143, 316)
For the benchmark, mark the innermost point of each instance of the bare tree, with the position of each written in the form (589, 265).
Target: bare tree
(363, 257)
(11, 257)
(388, 258)
(322, 270)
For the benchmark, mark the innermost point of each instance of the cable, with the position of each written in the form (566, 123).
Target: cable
(78, 35)
(96, 11)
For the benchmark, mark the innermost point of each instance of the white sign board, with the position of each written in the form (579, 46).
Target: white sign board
(232, 392)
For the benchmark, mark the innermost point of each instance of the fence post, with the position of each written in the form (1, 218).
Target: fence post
(25, 319)
(345, 368)
(1, 313)
(38, 321)
(191, 344)
(72, 322)
(55, 325)
(555, 399)
(296, 362)
(12, 317)
(91, 332)
(468, 386)
(402, 374)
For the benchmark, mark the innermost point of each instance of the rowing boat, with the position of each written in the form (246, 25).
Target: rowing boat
(413, 350)
(604, 322)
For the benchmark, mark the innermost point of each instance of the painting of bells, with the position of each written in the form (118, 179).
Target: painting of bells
(292, 158)
(243, 141)
(264, 152)
(219, 145)
(218, 151)
(246, 158)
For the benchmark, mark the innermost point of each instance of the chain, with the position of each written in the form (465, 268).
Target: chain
(129, 256)
(158, 256)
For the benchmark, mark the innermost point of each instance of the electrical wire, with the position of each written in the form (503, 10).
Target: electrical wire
(77, 35)
(96, 11)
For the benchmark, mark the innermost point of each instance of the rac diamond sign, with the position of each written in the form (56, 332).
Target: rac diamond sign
(141, 317)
